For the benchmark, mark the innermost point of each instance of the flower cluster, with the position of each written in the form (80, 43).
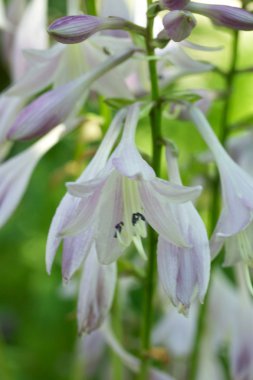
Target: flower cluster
(124, 198)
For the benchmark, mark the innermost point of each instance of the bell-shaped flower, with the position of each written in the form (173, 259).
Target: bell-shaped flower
(174, 4)
(57, 105)
(74, 29)
(96, 292)
(76, 248)
(235, 221)
(123, 197)
(184, 271)
(178, 24)
(224, 15)
(16, 172)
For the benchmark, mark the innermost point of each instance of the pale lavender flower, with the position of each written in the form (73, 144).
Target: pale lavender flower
(224, 15)
(179, 24)
(184, 271)
(235, 222)
(16, 172)
(76, 248)
(74, 29)
(57, 105)
(96, 292)
(123, 197)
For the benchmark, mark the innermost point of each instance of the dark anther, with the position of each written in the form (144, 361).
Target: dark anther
(136, 217)
(118, 228)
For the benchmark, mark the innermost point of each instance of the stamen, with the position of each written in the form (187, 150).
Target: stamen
(118, 229)
(136, 217)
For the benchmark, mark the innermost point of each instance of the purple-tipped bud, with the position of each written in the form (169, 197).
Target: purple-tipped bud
(179, 24)
(46, 111)
(174, 5)
(224, 15)
(74, 29)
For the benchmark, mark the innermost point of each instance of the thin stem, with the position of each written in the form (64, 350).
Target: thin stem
(155, 122)
(214, 208)
(117, 368)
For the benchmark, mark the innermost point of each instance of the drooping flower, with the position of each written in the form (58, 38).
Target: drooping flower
(76, 248)
(174, 4)
(223, 15)
(179, 24)
(16, 172)
(96, 292)
(184, 271)
(57, 105)
(235, 222)
(123, 197)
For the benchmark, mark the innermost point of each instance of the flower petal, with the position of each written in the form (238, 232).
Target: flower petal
(110, 214)
(159, 215)
(96, 293)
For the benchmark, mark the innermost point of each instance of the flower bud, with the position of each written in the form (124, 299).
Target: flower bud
(224, 15)
(174, 4)
(179, 24)
(74, 29)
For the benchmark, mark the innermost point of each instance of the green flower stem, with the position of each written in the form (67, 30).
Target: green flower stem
(155, 122)
(117, 367)
(90, 6)
(214, 208)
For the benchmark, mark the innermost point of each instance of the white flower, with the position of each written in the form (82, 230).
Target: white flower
(235, 222)
(184, 271)
(123, 196)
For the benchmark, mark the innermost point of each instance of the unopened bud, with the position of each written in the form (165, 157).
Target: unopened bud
(74, 29)
(179, 24)
(224, 15)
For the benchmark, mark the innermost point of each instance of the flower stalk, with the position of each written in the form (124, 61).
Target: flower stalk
(155, 123)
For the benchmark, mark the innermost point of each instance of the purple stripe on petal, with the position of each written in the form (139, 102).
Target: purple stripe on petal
(46, 112)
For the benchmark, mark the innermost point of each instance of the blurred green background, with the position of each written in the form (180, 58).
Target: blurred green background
(38, 330)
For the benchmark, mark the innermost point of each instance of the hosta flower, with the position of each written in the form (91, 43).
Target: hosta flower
(235, 222)
(16, 172)
(74, 29)
(123, 197)
(224, 15)
(57, 105)
(76, 248)
(96, 292)
(184, 271)
(179, 24)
